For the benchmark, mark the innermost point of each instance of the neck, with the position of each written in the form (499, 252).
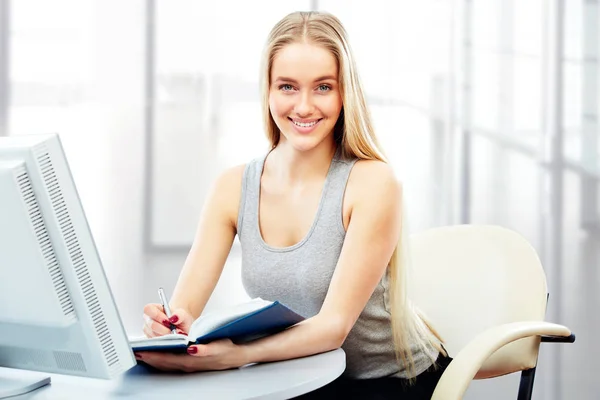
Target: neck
(287, 164)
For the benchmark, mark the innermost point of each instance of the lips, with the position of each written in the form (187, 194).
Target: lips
(305, 126)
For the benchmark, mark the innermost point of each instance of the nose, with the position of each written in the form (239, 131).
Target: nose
(304, 106)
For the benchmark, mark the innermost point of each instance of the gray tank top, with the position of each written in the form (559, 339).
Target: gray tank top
(299, 275)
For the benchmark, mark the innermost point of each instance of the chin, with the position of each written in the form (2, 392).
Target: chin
(304, 143)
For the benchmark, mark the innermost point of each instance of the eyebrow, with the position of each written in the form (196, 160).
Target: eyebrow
(319, 79)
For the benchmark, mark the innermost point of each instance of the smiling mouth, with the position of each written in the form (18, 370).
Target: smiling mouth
(305, 124)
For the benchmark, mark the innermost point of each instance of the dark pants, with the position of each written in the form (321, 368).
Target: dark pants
(383, 388)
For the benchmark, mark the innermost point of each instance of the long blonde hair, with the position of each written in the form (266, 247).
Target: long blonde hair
(355, 135)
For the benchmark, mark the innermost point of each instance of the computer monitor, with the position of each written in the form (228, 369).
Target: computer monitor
(57, 312)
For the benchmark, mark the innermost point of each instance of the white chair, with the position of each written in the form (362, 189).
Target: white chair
(484, 290)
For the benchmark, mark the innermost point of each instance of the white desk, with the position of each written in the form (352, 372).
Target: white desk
(277, 380)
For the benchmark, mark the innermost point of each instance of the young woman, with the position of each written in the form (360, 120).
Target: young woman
(319, 218)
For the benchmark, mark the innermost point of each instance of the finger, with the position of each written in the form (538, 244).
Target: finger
(155, 311)
(157, 329)
(177, 317)
(160, 329)
(161, 320)
(148, 321)
(198, 350)
(181, 319)
(149, 333)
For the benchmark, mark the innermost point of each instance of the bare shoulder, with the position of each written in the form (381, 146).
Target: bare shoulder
(373, 179)
(373, 192)
(231, 177)
(227, 190)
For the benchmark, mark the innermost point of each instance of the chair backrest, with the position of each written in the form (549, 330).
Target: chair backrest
(467, 278)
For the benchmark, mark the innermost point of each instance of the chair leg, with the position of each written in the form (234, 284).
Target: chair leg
(526, 385)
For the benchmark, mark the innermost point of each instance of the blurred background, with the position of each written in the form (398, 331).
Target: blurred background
(488, 111)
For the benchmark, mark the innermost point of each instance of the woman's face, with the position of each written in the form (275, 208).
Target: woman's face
(304, 96)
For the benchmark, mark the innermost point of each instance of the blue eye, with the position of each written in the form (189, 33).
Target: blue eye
(286, 87)
(324, 88)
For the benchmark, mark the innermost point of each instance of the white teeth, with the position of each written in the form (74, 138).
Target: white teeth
(303, 125)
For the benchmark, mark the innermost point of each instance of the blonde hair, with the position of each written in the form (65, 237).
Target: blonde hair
(355, 135)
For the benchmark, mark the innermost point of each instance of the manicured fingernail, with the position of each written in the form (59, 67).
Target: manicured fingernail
(174, 319)
(180, 332)
(192, 350)
(137, 355)
(166, 323)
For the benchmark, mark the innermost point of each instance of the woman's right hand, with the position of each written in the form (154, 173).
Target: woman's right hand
(156, 322)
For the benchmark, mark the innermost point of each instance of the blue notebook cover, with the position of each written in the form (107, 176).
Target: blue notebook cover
(170, 348)
(260, 323)
(266, 321)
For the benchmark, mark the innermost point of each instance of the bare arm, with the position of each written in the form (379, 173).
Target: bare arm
(372, 235)
(212, 243)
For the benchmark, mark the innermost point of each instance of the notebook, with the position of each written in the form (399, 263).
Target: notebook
(241, 323)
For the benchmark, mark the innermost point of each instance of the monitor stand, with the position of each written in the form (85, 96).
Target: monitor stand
(14, 386)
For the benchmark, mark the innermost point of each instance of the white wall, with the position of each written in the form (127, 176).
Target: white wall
(105, 146)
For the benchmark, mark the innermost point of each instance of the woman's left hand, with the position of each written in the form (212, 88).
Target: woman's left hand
(218, 355)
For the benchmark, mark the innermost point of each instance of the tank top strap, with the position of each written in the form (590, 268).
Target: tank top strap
(331, 213)
(250, 195)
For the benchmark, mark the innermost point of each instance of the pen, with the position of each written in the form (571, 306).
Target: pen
(166, 309)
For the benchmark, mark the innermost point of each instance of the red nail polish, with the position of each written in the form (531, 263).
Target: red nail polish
(138, 356)
(166, 323)
(192, 350)
(174, 319)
